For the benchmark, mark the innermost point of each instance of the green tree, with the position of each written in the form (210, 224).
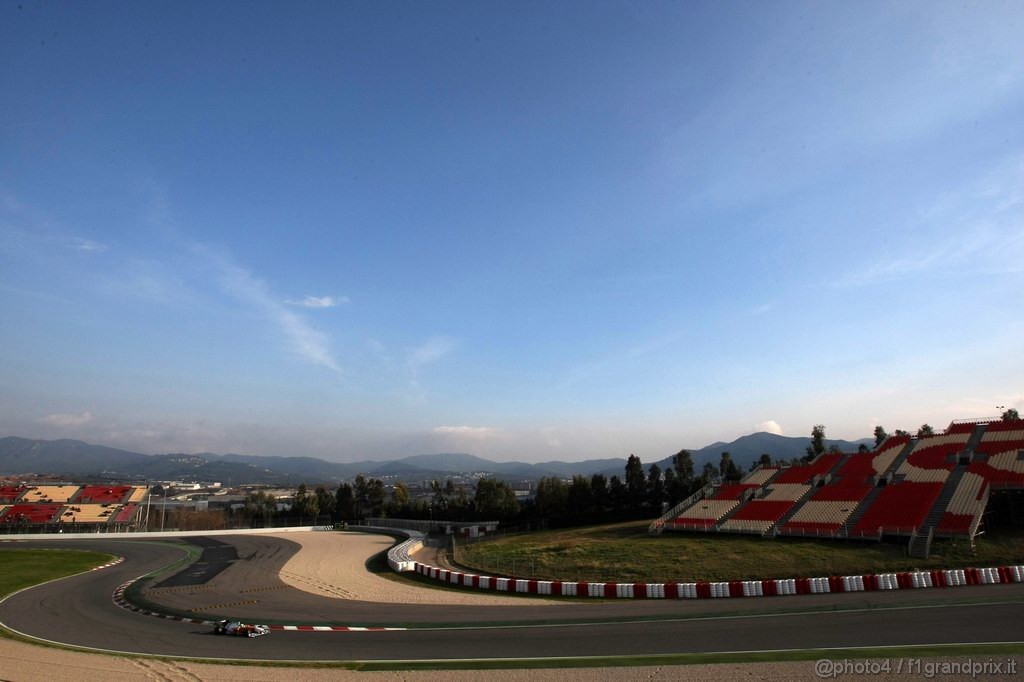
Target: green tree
(925, 431)
(707, 474)
(765, 460)
(552, 496)
(636, 482)
(579, 500)
(900, 432)
(683, 482)
(361, 494)
(672, 492)
(304, 504)
(682, 463)
(375, 497)
(655, 488)
(618, 493)
(345, 503)
(494, 499)
(325, 502)
(1011, 415)
(599, 492)
(817, 445)
(399, 503)
(727, 468)
(259, 505)
(880, 436)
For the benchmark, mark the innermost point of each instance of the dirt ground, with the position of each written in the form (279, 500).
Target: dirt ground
(334, 565)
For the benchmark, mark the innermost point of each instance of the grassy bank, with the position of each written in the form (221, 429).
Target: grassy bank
(21, 568)
(625, 552)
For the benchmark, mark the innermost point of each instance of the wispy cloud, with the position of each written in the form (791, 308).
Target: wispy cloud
(305, 341)
(66, 420)
(951, 252)
(87, 245)
(980, 228)
(615, 360)
(319, 301)
(432, 350)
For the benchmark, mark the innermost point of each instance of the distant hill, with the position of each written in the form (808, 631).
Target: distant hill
(76, 459)
(73, 457)
(747, 449)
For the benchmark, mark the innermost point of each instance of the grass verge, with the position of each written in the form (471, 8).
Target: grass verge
(21, 568)
(624, 552)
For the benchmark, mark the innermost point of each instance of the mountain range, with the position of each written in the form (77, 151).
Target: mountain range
(77, 459)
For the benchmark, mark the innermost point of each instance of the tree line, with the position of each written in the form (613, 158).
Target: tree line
(638, 493)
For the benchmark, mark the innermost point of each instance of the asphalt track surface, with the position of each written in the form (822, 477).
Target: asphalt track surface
(79, 611)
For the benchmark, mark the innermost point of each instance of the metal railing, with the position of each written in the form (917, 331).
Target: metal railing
(658, 525)
(976, 521)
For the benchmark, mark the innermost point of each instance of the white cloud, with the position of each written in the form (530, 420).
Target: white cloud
(432, 350)
(474, 432)
(771, 426)
(319, 301)
(65, 420)
(306, 342)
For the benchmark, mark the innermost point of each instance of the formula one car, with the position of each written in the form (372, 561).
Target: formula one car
(237, 629)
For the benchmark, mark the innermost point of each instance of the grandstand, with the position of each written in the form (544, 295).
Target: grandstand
(918, 488)
(70, 508)
(30, 513)
(101, 494)
(11, 493)
(49, 493)
(89, 513)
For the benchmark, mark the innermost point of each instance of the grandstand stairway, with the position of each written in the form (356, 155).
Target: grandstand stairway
(864, 505)
(729, 514)
(771, 478)
(869, 499)
(919, 544)
(902, 457)
(976, 436)
(795, 508)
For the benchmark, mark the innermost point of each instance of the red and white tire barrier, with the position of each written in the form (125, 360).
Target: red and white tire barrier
(905, 580)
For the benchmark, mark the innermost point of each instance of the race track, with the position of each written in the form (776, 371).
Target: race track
(79, 611)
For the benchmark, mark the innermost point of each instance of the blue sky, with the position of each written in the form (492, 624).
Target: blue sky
(523, 230)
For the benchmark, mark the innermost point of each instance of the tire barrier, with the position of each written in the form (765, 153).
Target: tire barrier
(400, 556)
(881, 582)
